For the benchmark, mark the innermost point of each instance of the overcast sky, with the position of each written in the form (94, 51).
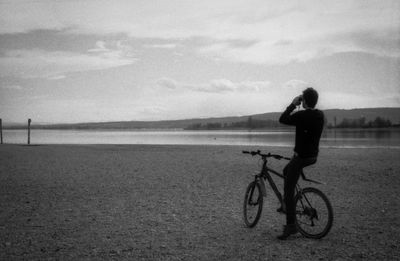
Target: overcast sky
(84, 60)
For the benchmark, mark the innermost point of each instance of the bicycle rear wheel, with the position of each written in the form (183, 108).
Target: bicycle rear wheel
(253, 203)
(314, 214)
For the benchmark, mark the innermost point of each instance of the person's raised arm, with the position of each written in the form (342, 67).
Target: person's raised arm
(286, 117)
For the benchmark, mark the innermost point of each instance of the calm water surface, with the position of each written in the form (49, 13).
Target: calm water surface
(364, 138)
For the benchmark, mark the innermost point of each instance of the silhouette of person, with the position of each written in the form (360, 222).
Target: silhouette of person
(309, 124)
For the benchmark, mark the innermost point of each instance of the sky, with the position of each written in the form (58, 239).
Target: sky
(68, 61)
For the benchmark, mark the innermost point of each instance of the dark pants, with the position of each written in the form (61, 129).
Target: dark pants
(292, 173)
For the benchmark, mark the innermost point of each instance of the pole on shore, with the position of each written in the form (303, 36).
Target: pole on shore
(1, 131)
(29, 131)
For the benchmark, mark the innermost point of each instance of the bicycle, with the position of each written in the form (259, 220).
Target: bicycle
(314, 213)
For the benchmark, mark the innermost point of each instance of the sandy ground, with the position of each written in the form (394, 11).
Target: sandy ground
(184, 203)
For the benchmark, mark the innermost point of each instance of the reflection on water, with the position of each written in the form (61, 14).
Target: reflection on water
(364, 138)
(361, 137)
(359, 133)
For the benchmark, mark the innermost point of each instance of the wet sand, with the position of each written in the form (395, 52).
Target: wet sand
(147, 202)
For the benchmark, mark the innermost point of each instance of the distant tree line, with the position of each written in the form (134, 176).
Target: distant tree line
(251, 123)
(379, 122)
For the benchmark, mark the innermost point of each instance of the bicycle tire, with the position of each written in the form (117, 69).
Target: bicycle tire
(255, 203)
(306, 206)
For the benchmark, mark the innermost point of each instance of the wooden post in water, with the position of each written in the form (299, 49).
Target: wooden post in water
(1, 131)
(29, 131)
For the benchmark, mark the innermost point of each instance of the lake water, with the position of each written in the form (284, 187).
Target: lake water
(363, 138)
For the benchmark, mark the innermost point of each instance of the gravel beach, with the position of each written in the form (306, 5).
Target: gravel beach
(149, 202)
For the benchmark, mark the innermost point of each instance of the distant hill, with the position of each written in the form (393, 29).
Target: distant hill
(392, 114)
(370, 114)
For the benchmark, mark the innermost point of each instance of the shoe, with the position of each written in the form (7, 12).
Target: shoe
(281, 209)
(287, 231)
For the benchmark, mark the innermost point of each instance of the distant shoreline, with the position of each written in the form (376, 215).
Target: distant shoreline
(277, 129)
(371, 117)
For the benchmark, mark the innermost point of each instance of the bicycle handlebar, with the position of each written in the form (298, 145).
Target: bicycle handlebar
(258, 152)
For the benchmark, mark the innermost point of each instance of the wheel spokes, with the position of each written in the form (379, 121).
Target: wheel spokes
(313, 215)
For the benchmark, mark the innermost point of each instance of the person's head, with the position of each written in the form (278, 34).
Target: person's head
(310, 98)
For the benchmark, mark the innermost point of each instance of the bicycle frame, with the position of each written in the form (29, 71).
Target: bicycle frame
(265, 175)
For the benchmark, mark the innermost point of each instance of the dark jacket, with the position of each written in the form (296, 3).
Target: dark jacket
(309, 124)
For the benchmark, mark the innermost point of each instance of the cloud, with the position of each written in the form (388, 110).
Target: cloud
(385, 42)
(167, 83)
(280, 31)
(224, 85)
(100, 47)
(113, 50)
(296, 84)
(150, 110)
(220, 85)
(215, 86)
(258, 53)
(54, 65)
(161, 46)
(295, 87)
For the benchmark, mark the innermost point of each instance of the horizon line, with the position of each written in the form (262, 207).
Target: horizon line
(11, 123)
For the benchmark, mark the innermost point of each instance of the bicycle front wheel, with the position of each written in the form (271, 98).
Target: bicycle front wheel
(253, 203)
(314, 214)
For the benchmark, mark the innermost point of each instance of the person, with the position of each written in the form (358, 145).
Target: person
(309, 124)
